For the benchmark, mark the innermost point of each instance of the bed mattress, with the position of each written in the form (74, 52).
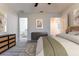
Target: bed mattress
(71, 48)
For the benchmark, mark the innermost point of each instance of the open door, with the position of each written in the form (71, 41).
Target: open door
(23, 26)
(55, 25)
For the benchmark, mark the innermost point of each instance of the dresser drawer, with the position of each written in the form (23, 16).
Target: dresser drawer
(7, 41)
(3, 49)
(3, 39)
(12, 44)
(11, 37)
(11, 40)
(3, 43)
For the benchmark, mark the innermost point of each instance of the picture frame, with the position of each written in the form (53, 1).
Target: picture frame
(39, 23)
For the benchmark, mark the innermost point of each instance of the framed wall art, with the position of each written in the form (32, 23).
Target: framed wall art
(2, 23)
(39, 23)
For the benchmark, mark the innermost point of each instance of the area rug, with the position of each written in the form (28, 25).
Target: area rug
(22, 49)
(31, 49)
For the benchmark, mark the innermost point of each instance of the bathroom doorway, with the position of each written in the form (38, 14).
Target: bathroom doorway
(23, 27)
(55, 25)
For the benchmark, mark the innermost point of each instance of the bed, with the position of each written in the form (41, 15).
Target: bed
(57, 46)
(73, 29)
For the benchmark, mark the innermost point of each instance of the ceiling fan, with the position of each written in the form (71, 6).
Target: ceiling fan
(36, 4)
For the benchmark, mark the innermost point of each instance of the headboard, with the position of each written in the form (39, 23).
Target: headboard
(72, 28)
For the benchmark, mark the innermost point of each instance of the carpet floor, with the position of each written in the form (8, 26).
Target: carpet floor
(22, 49)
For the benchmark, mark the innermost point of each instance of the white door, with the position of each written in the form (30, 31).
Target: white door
(23, 26)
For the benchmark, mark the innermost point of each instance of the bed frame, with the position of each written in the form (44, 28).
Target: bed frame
(72, 28)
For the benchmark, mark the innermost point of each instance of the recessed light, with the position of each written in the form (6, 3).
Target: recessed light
(21, 11)
(41, 11)
(49, 3)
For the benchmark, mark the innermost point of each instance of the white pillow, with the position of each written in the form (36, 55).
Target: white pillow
(72, 38)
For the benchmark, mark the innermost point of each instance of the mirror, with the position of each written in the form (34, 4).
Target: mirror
(3, 23)
(74, 17)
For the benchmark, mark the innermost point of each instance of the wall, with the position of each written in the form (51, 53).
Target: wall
(46, 22)
(12, 20)
(12, 23)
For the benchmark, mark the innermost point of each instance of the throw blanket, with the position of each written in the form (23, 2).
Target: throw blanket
(52, 47)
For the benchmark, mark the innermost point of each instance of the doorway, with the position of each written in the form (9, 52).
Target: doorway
(55, 26)
(23, 27)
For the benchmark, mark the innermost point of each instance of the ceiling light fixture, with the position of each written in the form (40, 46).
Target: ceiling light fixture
(36, 4)
(49, 3)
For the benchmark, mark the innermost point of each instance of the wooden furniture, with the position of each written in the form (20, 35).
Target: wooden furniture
(72, 28)
(36, 35)
(7, 41)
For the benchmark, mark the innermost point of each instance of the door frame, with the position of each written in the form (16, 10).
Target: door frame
(19, 27)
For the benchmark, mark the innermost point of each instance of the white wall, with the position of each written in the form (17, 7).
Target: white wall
(12, 23)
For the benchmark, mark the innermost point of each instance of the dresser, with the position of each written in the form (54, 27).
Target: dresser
(7, 41)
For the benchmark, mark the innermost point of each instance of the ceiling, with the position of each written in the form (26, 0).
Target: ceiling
(29, 7)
